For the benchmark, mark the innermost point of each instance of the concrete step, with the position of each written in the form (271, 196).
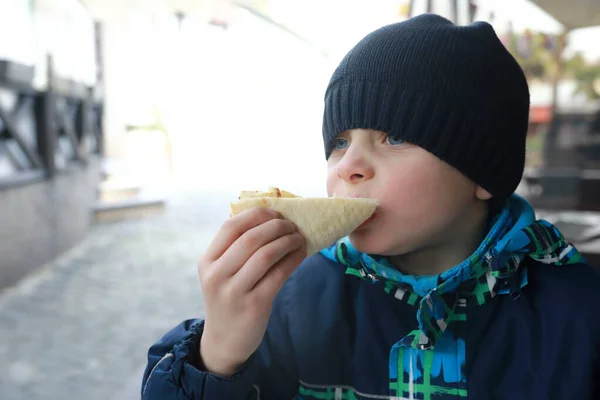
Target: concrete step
(114, 191)
(125, 196)
(132, 208)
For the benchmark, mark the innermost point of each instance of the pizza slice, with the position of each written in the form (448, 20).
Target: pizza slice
(322, 221)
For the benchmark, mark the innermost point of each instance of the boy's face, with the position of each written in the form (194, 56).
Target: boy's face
(424, 202)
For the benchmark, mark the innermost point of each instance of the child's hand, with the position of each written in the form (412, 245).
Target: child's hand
(247, 263)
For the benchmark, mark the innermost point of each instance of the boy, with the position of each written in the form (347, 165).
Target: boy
(452, 291)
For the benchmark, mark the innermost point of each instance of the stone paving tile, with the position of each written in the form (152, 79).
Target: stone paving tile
(80, 327)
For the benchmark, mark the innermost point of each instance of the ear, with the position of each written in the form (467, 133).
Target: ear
(482, 194)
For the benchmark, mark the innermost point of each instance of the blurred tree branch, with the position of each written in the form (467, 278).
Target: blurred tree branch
(537, 55)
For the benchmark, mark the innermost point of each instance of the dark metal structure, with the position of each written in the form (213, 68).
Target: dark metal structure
(45, 131)
(51, 143)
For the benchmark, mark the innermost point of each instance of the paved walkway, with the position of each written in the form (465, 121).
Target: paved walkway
(79, 328)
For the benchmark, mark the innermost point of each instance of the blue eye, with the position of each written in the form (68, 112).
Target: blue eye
(394, 140)
(340, 144)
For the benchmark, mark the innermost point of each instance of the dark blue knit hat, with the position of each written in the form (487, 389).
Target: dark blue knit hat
(452, 90)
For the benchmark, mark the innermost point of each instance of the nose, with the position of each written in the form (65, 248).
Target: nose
(355, 167)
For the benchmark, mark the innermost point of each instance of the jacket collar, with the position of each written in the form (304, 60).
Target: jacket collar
(495, 268)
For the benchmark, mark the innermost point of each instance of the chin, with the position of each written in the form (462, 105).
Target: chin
(368, 242)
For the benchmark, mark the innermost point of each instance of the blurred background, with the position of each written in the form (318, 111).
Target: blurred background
(126, 127)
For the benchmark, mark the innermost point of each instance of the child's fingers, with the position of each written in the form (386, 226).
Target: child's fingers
(251, 242)
(275, 278)
(265, 258)
(235, 227)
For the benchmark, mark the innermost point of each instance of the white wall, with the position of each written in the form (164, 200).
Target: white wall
(65, 29)
(31, 29)
(17, 34)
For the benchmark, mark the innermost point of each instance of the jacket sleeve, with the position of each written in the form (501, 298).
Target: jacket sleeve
(596, 374)
(174, 369)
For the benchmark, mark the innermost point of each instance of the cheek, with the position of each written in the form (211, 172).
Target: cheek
(403, 194)
(426, 191)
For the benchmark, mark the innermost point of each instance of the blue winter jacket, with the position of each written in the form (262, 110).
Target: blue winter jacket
(519, 319)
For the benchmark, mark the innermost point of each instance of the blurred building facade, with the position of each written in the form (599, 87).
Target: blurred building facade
(51, 106)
